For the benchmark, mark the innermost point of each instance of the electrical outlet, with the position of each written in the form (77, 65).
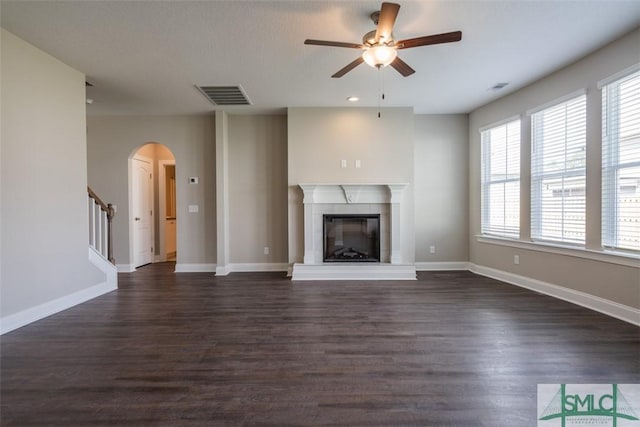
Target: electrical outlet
(516, 259)
(193, 208)
(432, 249)
(266, 250)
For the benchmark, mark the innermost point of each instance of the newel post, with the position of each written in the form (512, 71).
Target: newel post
(110, 213)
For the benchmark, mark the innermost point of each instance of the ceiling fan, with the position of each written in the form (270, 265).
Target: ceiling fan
(379, 46)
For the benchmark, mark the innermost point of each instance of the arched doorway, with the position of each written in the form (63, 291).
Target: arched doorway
(153, 213)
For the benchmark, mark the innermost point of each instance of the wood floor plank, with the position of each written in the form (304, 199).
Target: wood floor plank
(190, 349)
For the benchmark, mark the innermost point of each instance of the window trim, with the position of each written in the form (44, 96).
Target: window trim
(560, 100)
(484, 182)
(535, 229)
(617, 76)
(609, 169)
(500, 123)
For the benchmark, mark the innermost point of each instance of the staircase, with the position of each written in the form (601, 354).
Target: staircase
(100, 218)
(101, 237)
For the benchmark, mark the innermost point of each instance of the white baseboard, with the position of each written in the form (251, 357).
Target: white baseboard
(249, 267)
(230, 268)
(24, 317)
(195, 268)
(442, 266)
(125, 268)
(610, 308)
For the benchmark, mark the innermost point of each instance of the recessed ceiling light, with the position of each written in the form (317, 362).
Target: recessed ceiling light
(353, 99)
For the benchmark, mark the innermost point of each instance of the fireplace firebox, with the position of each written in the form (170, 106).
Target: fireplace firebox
(351, 238)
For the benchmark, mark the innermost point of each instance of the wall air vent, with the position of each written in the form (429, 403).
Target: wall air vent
(225, 95)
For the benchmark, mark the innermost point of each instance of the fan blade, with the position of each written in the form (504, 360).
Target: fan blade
(334, 44)
(348, 68)
(455, 36)
(387, 18)
(402, 67)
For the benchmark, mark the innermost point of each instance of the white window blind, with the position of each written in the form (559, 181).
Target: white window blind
(500, 200)
(558, 184)
(621, 163)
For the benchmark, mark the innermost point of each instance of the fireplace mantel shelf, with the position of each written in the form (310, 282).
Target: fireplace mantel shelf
(353, 184)
(353, 193)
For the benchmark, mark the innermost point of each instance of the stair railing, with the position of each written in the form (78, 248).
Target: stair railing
(100, 229)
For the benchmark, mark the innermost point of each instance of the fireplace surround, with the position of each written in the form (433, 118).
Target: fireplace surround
(385, 200)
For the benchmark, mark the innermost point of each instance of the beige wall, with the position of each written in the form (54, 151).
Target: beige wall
(441, 188)
(44, 230)
(618, 283)
(258, 188)
(111, 143)
(319, 138)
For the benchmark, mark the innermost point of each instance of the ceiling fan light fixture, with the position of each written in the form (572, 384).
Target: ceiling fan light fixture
(380, 47)
(379, 55)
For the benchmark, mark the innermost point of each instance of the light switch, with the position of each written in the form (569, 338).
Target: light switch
(193, 180)
(343, 164)
(357, 164)
(193, 208)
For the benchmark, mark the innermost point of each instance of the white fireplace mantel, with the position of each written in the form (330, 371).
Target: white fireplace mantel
(352, 193)
(349, 198)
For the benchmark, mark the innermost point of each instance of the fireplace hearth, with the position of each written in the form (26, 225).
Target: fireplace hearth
(351, 238)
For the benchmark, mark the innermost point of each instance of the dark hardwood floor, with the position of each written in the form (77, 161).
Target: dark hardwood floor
(451, 349)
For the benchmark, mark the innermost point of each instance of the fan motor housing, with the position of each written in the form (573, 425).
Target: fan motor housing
(369, 39)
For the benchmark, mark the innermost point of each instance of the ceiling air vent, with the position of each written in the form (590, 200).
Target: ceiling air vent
(498, 86)
(225, 95)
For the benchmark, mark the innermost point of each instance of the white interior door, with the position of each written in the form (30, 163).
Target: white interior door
(142, 202)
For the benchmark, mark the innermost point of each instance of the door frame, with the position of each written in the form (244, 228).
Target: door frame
(162, 206)
(137, 156)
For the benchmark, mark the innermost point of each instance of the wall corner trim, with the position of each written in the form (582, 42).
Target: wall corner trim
(604, 306)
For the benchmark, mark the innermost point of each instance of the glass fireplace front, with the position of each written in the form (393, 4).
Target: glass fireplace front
(351, 238)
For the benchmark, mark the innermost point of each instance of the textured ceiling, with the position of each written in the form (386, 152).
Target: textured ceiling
(144, 57)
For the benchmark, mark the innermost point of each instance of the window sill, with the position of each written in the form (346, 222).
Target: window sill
(612, 257)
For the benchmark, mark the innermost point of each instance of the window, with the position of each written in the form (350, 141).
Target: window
(558, 160)
(621, 163)
(500, 201)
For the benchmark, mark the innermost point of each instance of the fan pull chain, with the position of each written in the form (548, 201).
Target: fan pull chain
(382, 76)
(379, 90)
